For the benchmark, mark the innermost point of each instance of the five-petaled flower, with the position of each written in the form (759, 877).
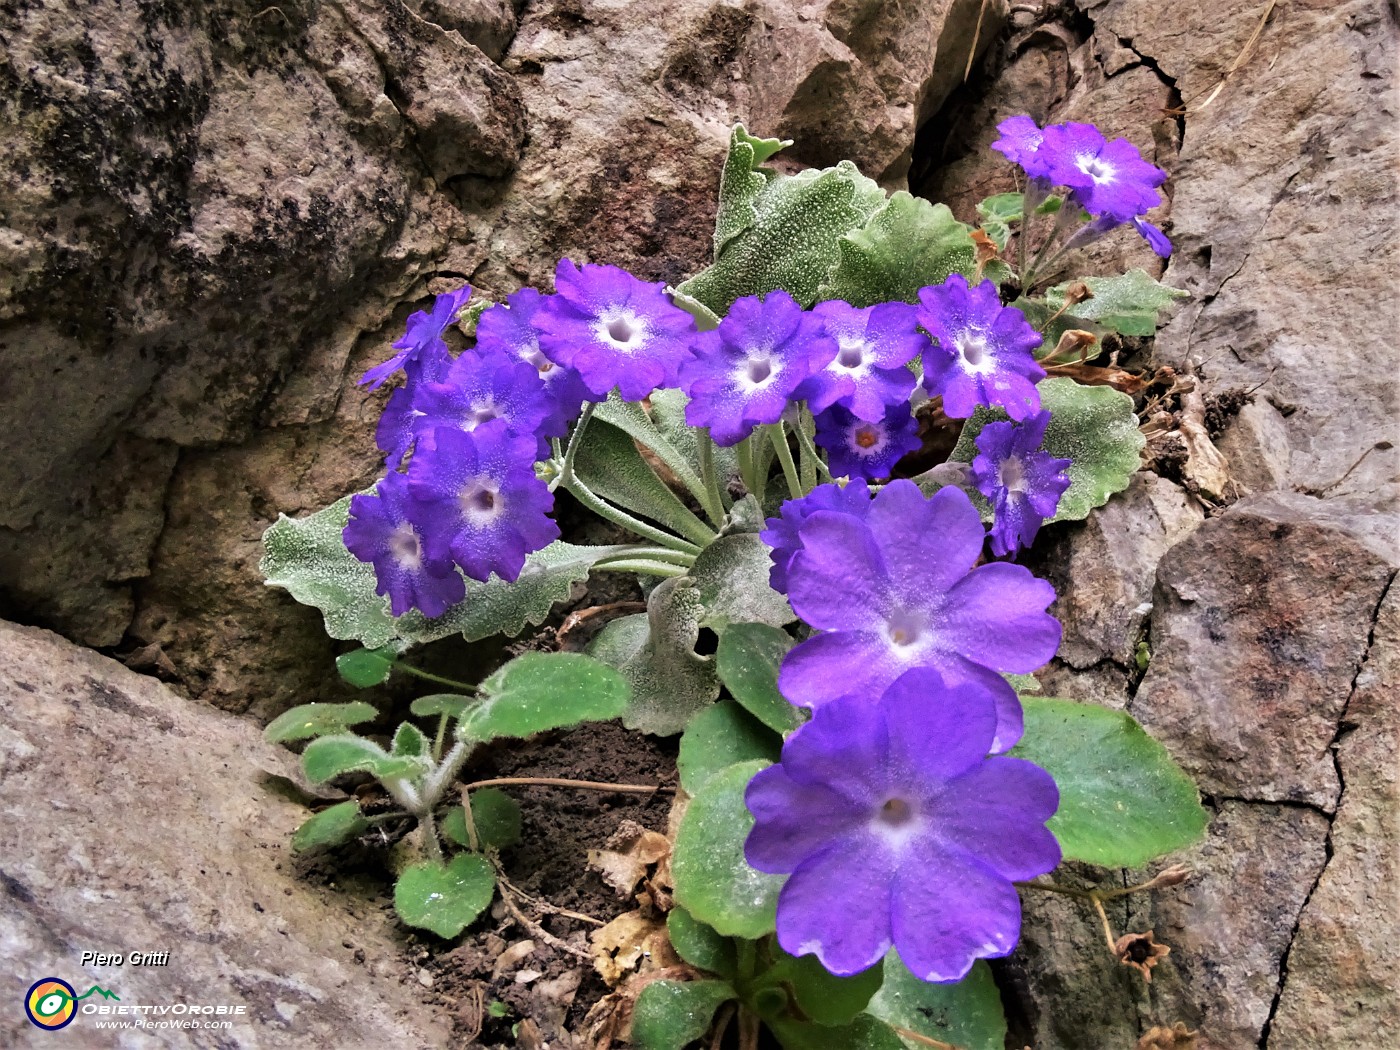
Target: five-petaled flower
(982, 350)
(858, 448)
(900, 588)
(898, 829)
(868, 373)
(379, 531)
(422, 340)
(1022, 483)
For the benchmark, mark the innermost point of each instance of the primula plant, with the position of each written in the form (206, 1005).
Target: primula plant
(868, 778)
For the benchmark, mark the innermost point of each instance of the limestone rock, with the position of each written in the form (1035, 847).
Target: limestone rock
(1103, 568)
(138, 822)
(1339, 987)
(1260, 621)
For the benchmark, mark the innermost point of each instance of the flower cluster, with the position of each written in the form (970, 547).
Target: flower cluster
(896, 826)
(1107, 179)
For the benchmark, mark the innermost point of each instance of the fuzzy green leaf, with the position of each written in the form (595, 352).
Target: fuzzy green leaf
(967, 1014)
(719, 736)
(1092, 426)
(655, 652)
(822, 996)
(864, 1033)
(699, 945)
(1123, 801)
(731, 575)
(1128, 303)
(608, 463)
(330, 756)
(741, 183)
(330, 827)
(409, 741)
(906, 245)
(450, 704)
(669, 446)
(671, 1014)
(445, 898)
(307, 558)
(310, 720)
(712, 880)
(364, 668)
(496, 816)
(998, 212)
(779, 231)
(748, 660)
(536, 692)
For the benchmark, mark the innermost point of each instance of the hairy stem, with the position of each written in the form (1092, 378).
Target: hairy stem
(428, 676)
(714, 495)
(777, 433)
(566, 466)
(617, 516)
(641, 567)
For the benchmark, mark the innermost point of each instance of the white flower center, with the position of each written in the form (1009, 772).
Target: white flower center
(757, 370)
(621, 329)
(905, 629)
(896, 821)
(404, 546)
(972, 353)
(867, 438)
(1096, 168)
(1012, 474)
(534, 357)
(480, 502)
(479, 413)
(851, 356)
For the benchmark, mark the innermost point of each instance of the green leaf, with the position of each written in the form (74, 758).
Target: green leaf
(1092, 426)
(998, 212)
(330, 827)
(822, 996)
(467, 320)
(308, 559)
(1123, 801)
(496, 816)
(450, 704)
(536, 692)
(497, 607)
(712, 880)
(655, 652)
(967, 1014)
(363, 668)
(779, 231)
(1023, 683)
(310, 720)
(330, 756)
(732, 577)
(608, 463)
(631, 418)
(445, 898)
(719, 736)
(1128, 303)
(748, 659)
(906, 245)
(668, 417)
(409, 741)
(864, 1033)
(671, 1014)
(699, 945)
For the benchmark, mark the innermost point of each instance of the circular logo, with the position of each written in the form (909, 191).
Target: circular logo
(51, 1003)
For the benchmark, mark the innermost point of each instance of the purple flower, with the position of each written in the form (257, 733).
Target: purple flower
(873, 346)
(379, 532)
(856, 448)
(476, 499)
(1022, 483)
(899, 590)
(397, 427)
(1105, 178)
(744, 373)
(898, 829)
(423, 337)
(615, 330)
(1155, 238)
(1021, 143)
(982, 350)
(481, 387)
(782, 531)
(510, 328)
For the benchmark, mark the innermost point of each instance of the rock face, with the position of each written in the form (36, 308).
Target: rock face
(138, 822)
(217, 215)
